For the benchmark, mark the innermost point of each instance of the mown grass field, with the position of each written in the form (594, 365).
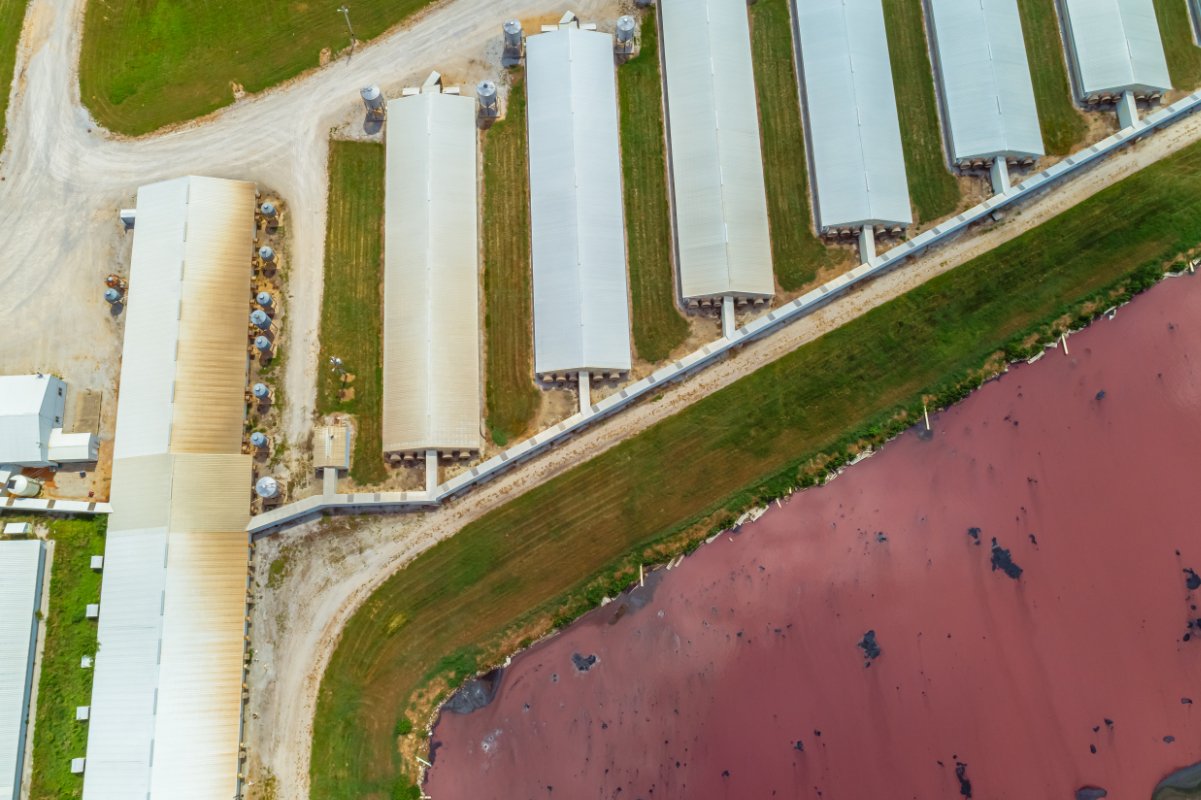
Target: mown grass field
(1062, 124)
(796, 250)
(658, 326)
(933, 190)
(1176, 31)
(352, 304)
(69, 637)
(500, 579)
(512, 398)
(12, 16)
(149, 63)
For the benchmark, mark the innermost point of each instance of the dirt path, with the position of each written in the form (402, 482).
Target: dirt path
(64, 179)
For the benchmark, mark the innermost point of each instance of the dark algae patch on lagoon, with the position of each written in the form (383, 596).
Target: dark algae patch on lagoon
(1064, 677)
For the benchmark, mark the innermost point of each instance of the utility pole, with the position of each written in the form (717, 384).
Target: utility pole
(346, 13)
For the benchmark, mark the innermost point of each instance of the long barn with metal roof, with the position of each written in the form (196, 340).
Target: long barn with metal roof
(851, 126)
(431, 277)
(716, 156)
(581, 306)
(21, 566)
(1115, 47)
(166, 711)
(984, 77)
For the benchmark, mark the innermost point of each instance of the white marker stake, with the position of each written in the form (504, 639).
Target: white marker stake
(1064, 338)
(926, 413)
(423, 761)
(640, 581)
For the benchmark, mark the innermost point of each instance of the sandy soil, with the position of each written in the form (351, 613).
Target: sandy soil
(748, 671)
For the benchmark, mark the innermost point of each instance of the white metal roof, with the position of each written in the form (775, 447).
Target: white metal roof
(1115, 46)
(851, 125)
(66, 448)
(987, 96)
(166, 696)
(581, 304)
(31, 407)
(431, 276)
(20, 595)
(716, 156)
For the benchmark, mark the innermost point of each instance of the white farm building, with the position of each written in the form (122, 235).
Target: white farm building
(984, 81)
(32, 409)
(716, 158)
(166, 710)
(581, 306)
(431, 277)
(1114, 48)
(21, 566)
(851, 127)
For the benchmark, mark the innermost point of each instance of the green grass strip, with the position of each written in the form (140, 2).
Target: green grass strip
(12, 16)
(932, 188)
(1062, 123)
(749, 440)
(352, 305)
(512, 398)
(69, 637)
(797, 252)
(658, 326)
(150, 63)
(1176, 31)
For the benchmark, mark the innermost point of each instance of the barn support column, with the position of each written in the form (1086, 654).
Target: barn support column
(867, 244)
(1127, 110)
(585, 392)
(431, 471)
(728, 322)
(1000, 175)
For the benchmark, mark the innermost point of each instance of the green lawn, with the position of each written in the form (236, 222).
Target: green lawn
(148, 63)
(796, 250)
(933, 190)
(1176, 31)
(69, 636)
(1062, 124)
(467, 599)
(512, 398)
(352, 305)
(12, 15)
(658, 326)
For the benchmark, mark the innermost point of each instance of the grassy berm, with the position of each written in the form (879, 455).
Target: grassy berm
(548, 554)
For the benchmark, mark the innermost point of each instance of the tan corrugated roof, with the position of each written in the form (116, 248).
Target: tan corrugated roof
(213, 319)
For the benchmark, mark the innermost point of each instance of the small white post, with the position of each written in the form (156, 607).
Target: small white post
(431, 471)
(585, 393)
(1063, 337)
(641, 582)
(728, 321)
(1000, 175)
(424, 762)
(926, 414)
(867, 244)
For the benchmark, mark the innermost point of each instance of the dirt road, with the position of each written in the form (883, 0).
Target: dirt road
(64, 180)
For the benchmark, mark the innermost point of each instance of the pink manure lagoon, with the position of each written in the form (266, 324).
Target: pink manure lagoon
(1004, 609)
